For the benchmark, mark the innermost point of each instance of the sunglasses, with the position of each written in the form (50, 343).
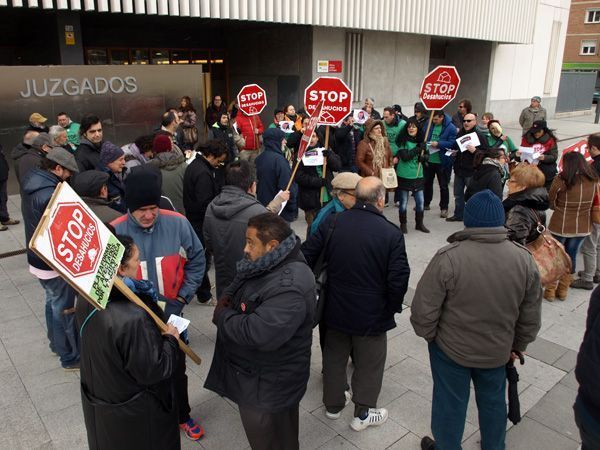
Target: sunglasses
(468, 120)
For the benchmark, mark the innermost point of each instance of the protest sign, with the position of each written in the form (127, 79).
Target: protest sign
(579, 147)
(360, 116)
(77, 245)
(287, 126)
(313, 157)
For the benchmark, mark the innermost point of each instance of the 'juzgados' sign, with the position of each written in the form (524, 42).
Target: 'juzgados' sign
(56, 87)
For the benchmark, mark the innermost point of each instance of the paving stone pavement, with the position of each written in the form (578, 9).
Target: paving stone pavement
(40, 405)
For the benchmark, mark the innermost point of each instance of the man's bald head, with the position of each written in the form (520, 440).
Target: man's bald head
(370, 190)
(469, 121)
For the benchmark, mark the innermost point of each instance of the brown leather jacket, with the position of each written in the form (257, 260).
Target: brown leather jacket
(364, 151)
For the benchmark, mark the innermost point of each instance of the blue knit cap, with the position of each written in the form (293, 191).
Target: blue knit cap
(484, 209)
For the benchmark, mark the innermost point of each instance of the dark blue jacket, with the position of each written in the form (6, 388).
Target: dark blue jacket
(587, 370)
(273, 173)
(446, 139)
(116, 189)
(38, 185)
(367, 270)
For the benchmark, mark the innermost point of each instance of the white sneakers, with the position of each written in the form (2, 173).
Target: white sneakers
(334, 416)
(376, 416)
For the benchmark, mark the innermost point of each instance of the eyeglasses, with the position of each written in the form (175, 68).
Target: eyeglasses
(348, 193)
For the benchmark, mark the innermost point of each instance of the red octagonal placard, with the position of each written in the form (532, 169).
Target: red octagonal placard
(439, 87)
(75, 240)
(252, 99)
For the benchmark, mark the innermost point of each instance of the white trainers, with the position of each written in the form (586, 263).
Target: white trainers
(376, 416)
(334, 416)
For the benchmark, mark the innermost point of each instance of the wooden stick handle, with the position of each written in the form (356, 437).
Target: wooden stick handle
(322, 197)
(287, 188)
(161, 325)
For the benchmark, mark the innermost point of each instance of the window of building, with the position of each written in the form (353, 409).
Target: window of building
(592, 16)
(159, 56)
(119, 56)
(96, 56)
(140, 56)
(588, 47)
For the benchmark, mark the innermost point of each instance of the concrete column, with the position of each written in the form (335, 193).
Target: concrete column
(69, 38)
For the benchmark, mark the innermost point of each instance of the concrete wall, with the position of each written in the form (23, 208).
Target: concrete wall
(519, 71)
(393, 68)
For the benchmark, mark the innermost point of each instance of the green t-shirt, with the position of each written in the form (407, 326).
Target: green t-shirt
(436, 132)
(410, 170)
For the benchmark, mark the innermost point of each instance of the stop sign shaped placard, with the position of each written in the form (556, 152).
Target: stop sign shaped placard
(439, 87)
(336, 97)
(252, 99)
(75, 240)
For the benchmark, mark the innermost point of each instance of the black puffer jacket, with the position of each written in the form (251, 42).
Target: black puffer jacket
(486, 176)
(126, 378)
(523, 210)
(587, 370)
(262, 353)
(345, 146)
(199, 188)
(87, 155)
(309, 182)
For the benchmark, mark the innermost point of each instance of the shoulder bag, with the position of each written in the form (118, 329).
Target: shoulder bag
(549, 254)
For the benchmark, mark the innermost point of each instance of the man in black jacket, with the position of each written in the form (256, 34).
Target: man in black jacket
(90, 143)
(345, 144)
(264, 335)
(200, 187)
(463, 164)
(367, 278)
(587, 371)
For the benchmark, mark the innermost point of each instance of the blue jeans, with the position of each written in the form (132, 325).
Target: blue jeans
(572, 245)
(589, 428)
(60, 320)
(451, 383)
(460, 185)
(403, 199)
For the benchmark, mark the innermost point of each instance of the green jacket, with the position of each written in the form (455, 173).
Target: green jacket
(73, 134)
(393, 131)
(408, 164)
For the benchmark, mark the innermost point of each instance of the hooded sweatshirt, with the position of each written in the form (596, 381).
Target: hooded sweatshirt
(225, 230)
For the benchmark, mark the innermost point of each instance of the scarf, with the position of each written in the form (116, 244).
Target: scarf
(248, 269)
(378, 151)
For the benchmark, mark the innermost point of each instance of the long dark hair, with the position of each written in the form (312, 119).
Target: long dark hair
(188, 104)
(574, 167)
(403, 136)
(493, 153)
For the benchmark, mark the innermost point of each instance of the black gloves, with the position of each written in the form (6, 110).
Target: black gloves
(223, 304)
(424, 157)
(326, 153)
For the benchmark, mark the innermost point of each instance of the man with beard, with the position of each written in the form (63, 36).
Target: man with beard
(264, 334)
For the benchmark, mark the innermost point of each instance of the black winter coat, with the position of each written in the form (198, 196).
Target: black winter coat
(126, 378)
(273, 173)
(225, 135)
(38, 186)
(262, 353)
(523, 210)
(463, 161)
(25, 158)
(596, 164)
(367, 270)
(345, 146)
(587, 370)
(309, 182)
(87, 155)
(486, 176)
(199, 188)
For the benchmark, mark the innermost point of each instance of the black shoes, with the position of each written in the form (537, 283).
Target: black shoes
(427, 443)
(453, 219)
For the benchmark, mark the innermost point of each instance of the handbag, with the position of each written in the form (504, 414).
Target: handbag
(190, 135)
(549, 255)
(320, 272)
(389, 178)
(596, 207)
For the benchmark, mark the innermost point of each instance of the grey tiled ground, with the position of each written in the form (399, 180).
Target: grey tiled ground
(40, 405)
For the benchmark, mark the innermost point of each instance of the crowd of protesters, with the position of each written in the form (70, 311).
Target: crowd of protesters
(177, 202)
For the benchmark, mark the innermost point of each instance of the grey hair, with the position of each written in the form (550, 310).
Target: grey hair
(370, 99)
(54, 131)
(370, 193)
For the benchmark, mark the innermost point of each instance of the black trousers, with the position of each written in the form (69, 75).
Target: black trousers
(4, 217)
(271, 431)
(433, 170)
(180, 380)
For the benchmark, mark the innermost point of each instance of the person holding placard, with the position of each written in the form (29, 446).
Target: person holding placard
(468, 141)
(312, 177)
(128, 367)
(346, 140)
(543, 142)
(411, 159)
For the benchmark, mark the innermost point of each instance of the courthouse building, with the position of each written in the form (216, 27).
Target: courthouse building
(134, 57)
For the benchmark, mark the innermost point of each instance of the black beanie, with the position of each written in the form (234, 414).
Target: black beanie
(143, 187)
